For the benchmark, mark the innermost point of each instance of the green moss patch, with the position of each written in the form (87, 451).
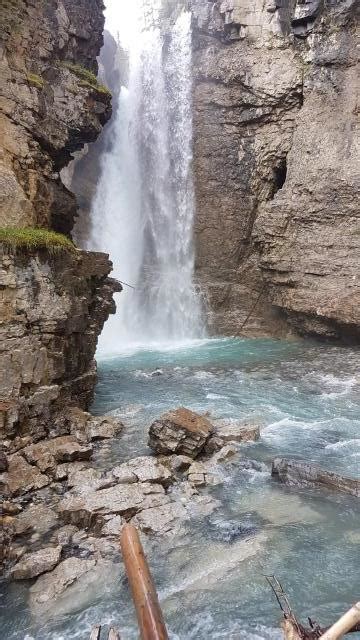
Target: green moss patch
(86, 77)
(35, 80)
(29, 238)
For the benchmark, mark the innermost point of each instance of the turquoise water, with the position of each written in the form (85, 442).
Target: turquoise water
(306, 397)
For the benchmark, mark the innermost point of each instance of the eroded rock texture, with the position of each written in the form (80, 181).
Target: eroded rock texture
(48, 108)
(277, 179)
(52, 309)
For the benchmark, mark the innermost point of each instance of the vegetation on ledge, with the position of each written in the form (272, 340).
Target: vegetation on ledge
(28, 238)
(86, 77)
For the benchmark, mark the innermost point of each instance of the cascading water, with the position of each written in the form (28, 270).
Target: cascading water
(143, 211)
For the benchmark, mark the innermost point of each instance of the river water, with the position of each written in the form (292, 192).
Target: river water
(306, 397)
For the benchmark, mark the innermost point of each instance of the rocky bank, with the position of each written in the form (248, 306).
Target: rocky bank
(275, 160)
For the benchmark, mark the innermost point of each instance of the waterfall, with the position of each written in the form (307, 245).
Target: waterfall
(143, 211)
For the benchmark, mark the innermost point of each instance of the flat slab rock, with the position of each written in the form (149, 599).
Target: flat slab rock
(230, 430)
(180, 431)
(34, 564)
(160, 520)
(143, 469)
(124, 499)
(298, 473)
(48, 453)
(49, 586)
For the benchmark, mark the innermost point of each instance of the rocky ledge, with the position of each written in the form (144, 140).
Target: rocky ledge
(63, 522)
(64, 513)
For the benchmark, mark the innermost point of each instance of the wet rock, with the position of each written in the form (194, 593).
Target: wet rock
(143, 469)
(297, 473)
(89, 509)
(231, 531)
(47, 454)
(22, 477)
(51, 585)
(160, 520)
(34, 564)
(231, 431)
(180, 431)
(227, 452)
(180, 463)
(36, 518)
(201, 474)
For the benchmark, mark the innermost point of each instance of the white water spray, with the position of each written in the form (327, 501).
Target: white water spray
(143, 211)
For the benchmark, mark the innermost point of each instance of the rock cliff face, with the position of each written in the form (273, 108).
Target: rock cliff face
(276, 113)
(52, 306)
(52, 310)
(50, 104)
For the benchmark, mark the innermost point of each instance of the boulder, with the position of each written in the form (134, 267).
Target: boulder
(180, 431)
(143, 469)
(22, 477)
(34, 564)
(88, 510)
(298, 473)
(229, 430)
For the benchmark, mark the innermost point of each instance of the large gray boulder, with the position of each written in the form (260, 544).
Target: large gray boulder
(180, 431)
(299, 473)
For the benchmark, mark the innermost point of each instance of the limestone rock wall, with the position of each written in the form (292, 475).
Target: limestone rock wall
(276, 140)
(52, 306)
(47, 110)
(52, 309)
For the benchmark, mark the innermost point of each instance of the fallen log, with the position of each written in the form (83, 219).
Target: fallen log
(345, 624)
(148, 611)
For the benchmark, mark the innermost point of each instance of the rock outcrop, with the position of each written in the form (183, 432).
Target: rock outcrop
(302, 474)
(50, 105)
(277, 180)
(52, 310)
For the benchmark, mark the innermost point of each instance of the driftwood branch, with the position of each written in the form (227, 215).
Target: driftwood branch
(294, 630)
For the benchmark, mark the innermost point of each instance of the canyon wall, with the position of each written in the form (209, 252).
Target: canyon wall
(276, 151)
(53, 304)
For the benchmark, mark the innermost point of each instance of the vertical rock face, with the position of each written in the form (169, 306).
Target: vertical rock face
(50, 104)
(52, 310)
(52, 306)
(275, 113)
